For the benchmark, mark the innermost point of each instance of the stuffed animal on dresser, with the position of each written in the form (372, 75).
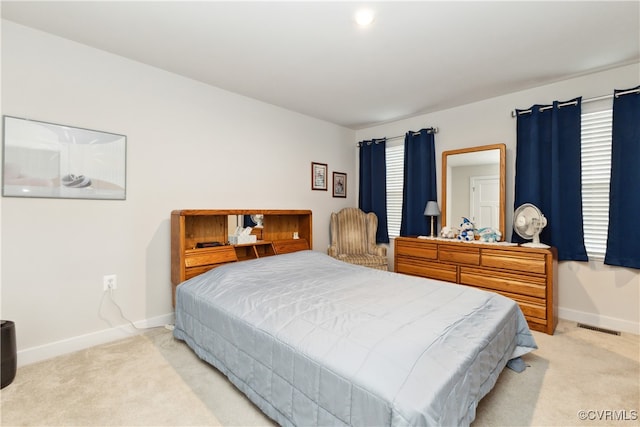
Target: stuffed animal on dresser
(449, 232)
(489, 235)
(467, 229)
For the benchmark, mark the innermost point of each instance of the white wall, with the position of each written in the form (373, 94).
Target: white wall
(189, 146)
(588, 292)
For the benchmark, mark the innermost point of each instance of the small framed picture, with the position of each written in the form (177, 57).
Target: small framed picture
(339, 184)
(318, 176)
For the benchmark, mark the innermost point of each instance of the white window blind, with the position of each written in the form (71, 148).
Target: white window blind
(395, 172)
(596, 171)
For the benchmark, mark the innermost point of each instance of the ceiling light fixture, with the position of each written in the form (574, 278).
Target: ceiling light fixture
(364, 17)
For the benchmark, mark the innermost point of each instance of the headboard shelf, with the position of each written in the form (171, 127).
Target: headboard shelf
(192, 226)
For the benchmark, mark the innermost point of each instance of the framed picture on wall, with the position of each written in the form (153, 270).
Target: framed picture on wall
(339, 184)
(318, 176)
(49, 160)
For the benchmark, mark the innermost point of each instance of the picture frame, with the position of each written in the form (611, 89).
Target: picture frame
(319, 176)
(339, 184)
(48, 160)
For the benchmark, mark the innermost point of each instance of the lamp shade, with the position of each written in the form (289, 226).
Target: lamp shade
(432, 209)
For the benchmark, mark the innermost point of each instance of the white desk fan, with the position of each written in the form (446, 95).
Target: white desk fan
(528, 222)
(257, 219)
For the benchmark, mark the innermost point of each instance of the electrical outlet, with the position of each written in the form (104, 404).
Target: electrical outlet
(110, 281)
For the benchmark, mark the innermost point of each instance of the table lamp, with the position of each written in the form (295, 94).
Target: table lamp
(433, 211)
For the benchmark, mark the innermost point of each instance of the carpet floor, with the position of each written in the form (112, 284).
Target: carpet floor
(152, 379)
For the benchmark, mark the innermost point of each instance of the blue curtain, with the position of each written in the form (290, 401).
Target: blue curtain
(623, 240)
(419, 184)
(548, 173)
(373, 184)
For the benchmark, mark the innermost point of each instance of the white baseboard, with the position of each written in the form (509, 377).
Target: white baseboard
(69, 345)
(599, 321)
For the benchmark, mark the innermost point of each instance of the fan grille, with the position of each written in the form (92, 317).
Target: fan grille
(528, 222)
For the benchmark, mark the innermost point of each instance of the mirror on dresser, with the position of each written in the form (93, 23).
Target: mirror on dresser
(473, 186)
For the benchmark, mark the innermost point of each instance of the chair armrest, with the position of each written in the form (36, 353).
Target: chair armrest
(333, 251)
(378, 250)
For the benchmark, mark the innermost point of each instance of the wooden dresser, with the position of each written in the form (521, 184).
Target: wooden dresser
(193, 226)
(526, 275)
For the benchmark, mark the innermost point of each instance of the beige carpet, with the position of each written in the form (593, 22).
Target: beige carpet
(573, 370)
(128, 382)
(154, 380)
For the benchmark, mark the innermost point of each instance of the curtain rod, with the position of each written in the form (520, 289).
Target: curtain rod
(376, 140)
(429, 130)
(566, 104)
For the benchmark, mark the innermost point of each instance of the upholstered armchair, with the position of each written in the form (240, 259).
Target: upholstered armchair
(353, 239)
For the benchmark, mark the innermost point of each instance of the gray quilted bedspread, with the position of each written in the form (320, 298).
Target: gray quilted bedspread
(315, 341)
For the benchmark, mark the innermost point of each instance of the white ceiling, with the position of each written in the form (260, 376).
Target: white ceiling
(310, 57)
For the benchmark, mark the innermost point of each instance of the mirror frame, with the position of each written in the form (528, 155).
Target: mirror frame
(502, 148)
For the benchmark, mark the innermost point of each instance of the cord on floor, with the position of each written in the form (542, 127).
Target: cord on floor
(113, 301)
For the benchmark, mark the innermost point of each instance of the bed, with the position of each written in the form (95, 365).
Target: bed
(315, 341)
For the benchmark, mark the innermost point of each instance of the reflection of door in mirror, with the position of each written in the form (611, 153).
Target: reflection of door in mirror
(233, 222)
(476, 195)
(485, 200)
(473, 186)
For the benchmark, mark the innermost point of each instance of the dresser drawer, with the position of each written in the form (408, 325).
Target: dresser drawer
(417, 248)
(432, 270)
(540, 325)
(534, 309)
(513, 283)
(516, 261)
(209, 256)
(460, 254)
(535, 312)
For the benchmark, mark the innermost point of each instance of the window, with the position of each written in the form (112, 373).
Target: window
(395, 173)
(596, 173)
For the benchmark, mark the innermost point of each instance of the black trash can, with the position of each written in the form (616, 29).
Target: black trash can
(8, 361)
